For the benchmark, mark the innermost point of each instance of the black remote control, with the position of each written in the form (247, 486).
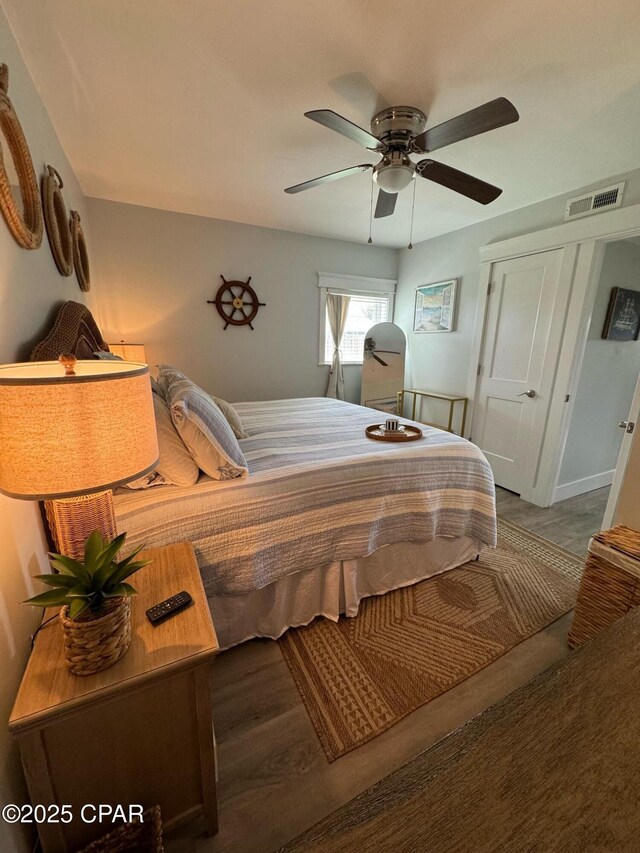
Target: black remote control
(169, 607)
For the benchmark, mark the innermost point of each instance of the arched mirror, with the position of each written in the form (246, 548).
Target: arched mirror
(19, 196)
(383, 367)
(56, 220)
(80, 253)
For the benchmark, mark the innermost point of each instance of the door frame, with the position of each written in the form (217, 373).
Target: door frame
(621, 465)
(584, 242)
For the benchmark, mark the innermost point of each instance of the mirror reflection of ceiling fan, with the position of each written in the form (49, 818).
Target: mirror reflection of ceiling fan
(370, 351)
(398, 132)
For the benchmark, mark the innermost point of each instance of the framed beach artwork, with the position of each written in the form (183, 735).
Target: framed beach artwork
(435, 307)
(622, 322)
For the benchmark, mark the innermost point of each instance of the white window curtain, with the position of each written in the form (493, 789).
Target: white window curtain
(337, 310)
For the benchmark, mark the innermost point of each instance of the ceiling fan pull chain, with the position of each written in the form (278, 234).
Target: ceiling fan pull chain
(413, 207)
(369, 241)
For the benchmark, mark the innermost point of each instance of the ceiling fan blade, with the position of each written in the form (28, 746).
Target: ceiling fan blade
(457, 181)
(390, 351)
(385, 204)
(325, 179)
(347, 128)
(379, 360)
(496, 113)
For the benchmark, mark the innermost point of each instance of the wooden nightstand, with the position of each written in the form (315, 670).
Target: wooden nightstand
(139, 732)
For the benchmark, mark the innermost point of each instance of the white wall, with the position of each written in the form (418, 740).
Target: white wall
(440, 361)
(607, 381)
(158, 269)
(30, 288)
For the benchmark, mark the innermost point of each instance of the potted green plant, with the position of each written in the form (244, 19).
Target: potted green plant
(96, 602)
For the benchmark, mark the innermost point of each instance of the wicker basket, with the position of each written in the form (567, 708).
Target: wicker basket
(137, 837)
(610, 585)
(91, 645)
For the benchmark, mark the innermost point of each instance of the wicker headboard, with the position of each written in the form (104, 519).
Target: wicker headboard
(74, 331)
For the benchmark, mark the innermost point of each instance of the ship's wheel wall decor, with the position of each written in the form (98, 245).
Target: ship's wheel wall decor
(237, 303)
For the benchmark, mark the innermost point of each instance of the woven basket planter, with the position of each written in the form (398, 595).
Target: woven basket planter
(145, 837)
(610, 585)
(91, 645)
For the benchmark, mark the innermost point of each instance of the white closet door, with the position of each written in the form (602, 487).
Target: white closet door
(515, 380)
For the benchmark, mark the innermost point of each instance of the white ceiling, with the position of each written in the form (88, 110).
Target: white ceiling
(197, 105)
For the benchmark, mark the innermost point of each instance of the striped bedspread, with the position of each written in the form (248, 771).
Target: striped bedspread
(318, 491)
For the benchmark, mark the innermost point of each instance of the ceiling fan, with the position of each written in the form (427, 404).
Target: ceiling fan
(398, 132)
(370, 351)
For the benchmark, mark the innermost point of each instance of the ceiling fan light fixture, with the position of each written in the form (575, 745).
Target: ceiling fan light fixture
(393, 179)
(394, 172)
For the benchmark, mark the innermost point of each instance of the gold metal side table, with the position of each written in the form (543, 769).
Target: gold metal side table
(435, 395)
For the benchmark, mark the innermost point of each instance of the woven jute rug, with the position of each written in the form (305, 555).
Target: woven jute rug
(360, 676)
(550, 768)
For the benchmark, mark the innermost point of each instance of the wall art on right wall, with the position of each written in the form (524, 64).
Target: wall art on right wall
(622, 322)
(435, 307)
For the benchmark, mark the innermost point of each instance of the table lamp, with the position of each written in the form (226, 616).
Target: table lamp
(70, 431)
(129, 352)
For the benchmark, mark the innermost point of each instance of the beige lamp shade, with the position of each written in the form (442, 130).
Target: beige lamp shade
(62, 436)
(129, 352)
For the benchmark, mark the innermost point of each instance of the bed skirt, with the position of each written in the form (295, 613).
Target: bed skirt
(334, 589)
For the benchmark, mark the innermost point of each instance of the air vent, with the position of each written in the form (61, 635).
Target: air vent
(604, 199)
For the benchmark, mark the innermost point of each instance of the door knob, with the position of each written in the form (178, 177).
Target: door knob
(530, 393)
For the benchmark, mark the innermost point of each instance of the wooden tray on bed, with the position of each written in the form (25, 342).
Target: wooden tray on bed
(405, 433)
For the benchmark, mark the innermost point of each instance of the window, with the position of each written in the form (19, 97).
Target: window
(371, 302)
(365, 310)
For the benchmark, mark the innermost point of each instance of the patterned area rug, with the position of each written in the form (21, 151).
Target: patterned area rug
(360, 676)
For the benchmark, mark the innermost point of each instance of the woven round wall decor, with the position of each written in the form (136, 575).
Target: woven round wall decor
(80, 254)
(57, 221)
(26, 225)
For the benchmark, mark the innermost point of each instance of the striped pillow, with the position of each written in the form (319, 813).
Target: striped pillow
(169, 373)
(204, 430)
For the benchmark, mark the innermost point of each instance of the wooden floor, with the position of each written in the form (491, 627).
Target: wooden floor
(275, 781)
(569, 523)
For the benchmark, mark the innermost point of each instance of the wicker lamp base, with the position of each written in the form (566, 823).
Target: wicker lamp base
(71, 520)
(91, 645)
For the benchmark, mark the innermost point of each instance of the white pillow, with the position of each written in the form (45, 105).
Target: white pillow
(204, 430)
(233, 418)
(147, 481)
(176, 464)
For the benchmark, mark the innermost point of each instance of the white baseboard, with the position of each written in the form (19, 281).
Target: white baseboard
(586, 484)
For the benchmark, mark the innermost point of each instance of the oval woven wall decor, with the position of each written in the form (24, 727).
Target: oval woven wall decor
(80, 253)
(26, 225)
(57, 221)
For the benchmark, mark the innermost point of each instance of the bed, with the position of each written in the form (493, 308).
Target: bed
(325, 518)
